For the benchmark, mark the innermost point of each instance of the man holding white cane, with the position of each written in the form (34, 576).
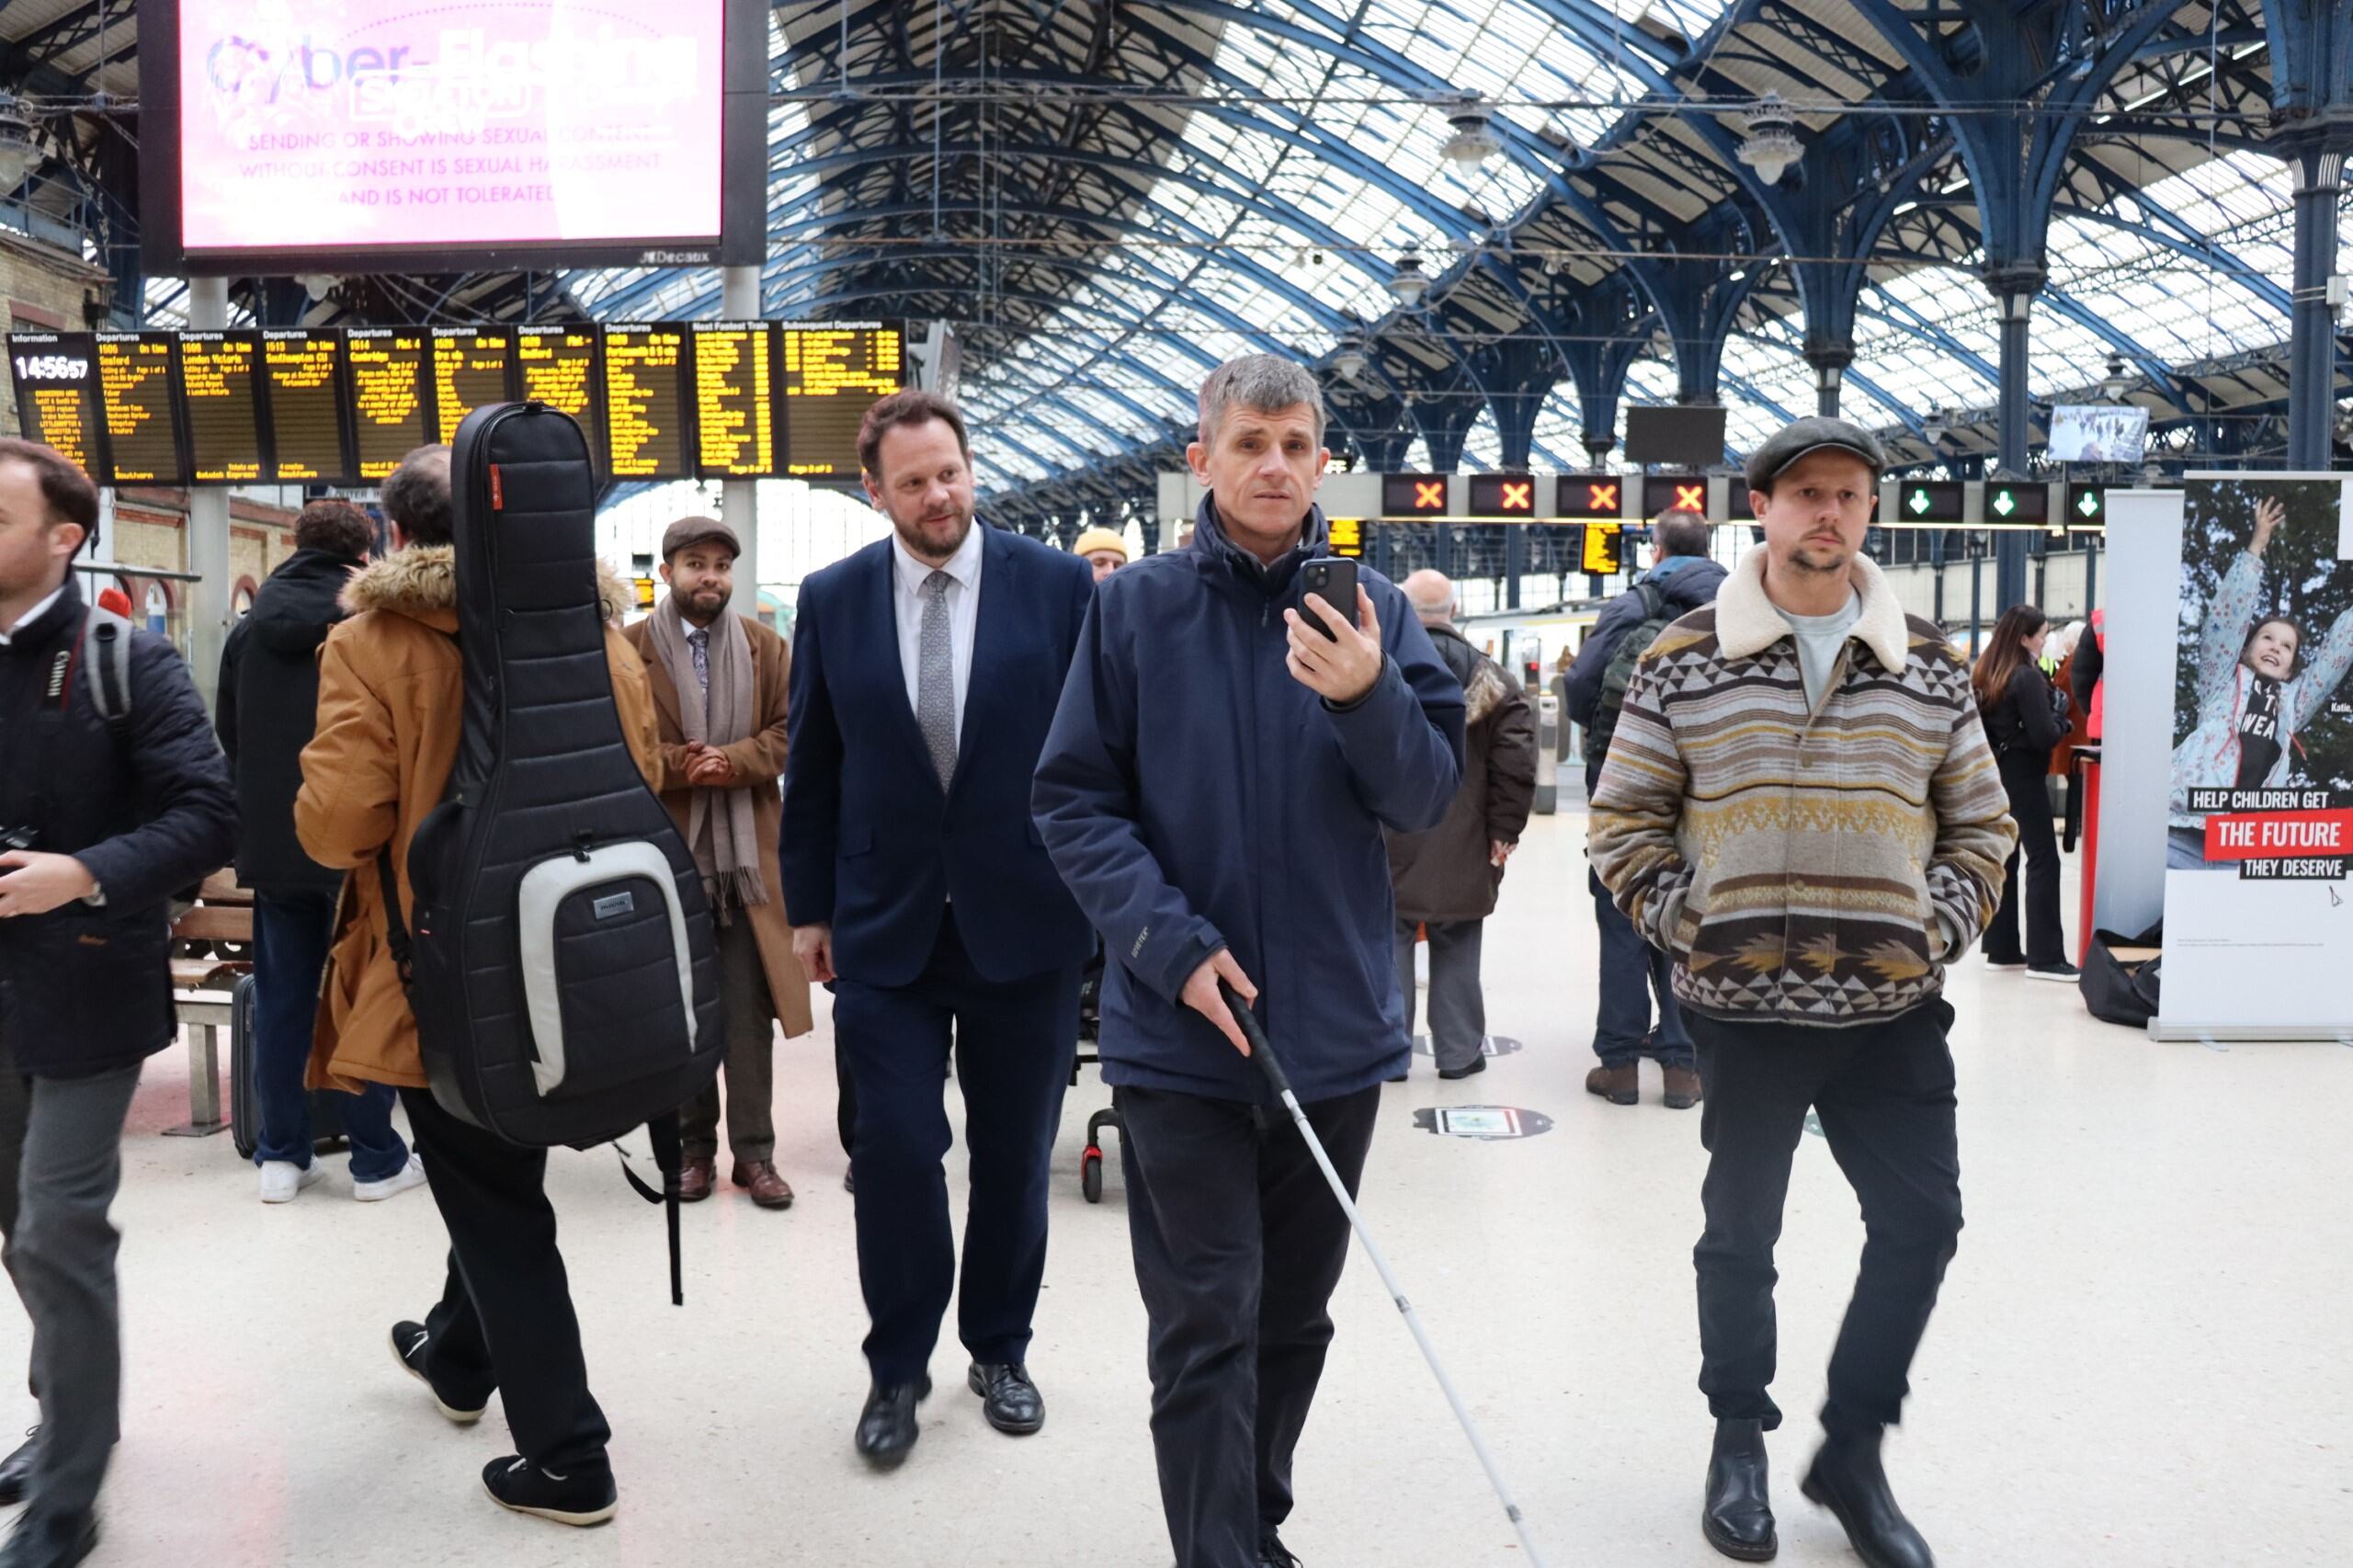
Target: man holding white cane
(1226, 828)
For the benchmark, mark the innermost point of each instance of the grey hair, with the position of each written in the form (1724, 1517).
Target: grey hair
(1263, 383)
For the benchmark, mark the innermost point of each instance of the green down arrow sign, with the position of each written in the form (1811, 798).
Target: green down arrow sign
(2004, 503)
(1920, 503)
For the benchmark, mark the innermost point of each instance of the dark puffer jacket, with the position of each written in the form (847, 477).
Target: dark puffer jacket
(1449, 873)
(268, 711)
(1686, 580)
(145, 807)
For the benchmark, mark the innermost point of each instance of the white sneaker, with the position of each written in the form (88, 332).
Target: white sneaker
(281, 1179)
(400, 1181)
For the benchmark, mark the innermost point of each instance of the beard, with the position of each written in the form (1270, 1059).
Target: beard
(934, 539)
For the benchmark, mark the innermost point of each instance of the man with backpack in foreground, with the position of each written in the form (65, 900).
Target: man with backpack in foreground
(1681, 579)
(390, 714)
(113, 795)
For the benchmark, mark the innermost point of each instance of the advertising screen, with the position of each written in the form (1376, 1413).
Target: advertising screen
(135, 396)
(56, 377)
(2097, 433)
(462, 123)
(219, 372)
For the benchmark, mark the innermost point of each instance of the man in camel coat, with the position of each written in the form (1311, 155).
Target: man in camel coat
(719, 682)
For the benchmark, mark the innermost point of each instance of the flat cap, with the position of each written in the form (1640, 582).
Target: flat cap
(698, 530)
(1794, 440)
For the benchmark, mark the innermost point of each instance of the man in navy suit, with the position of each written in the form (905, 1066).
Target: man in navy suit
(926, 672)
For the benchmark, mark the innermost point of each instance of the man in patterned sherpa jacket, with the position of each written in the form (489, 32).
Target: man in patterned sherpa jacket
(1798, 807)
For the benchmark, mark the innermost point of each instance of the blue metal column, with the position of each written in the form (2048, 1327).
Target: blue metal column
(2015, 291)
(2311, 361)
(1829, 375)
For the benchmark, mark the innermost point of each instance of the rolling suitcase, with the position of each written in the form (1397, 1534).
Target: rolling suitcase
(245, 1112)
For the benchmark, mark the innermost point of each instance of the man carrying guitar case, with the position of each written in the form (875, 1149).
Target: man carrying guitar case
(543, 971)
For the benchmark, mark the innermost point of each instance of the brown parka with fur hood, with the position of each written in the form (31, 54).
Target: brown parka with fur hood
(390, 709)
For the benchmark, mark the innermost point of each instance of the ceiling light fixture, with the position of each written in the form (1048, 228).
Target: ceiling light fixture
(319, 285)
(2116, 384)
(1771, 144)
(1409, 283)
(1351, 363)
(19, 151)
(1474, 141)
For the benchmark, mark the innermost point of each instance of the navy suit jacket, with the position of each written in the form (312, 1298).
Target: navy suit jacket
(870, 842)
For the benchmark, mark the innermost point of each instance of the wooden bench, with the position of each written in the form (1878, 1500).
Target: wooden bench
(212, 951)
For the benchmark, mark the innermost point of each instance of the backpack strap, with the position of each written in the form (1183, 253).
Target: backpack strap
(108, 669)
(395, 925)
(663, 1132)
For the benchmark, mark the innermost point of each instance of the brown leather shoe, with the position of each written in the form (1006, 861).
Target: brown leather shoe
(768, 1189)
(696, 1178)
(1618, 1085)
(1682, 1088)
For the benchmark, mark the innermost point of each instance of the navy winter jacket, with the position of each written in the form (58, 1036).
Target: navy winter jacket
(1195, 796)
(147, 810)
(267, 710)
(1686, 582)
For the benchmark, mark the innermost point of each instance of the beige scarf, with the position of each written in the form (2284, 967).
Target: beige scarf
(720, 823)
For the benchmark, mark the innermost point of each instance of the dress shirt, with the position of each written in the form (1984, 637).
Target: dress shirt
(907, 578)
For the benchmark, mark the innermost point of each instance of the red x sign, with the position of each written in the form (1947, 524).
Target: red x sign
(1603, 497)
(1429, 495)
(1519, 495)
(1691, 498)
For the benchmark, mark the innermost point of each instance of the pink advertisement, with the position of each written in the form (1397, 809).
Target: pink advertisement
(308, 123)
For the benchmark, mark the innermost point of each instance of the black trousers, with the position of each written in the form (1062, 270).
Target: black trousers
(504, 1322)
(1014, 1041)
(1884, 1094)
(2023, 775)
(1238, 1245)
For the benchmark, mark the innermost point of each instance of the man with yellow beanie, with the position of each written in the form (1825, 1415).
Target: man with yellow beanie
(1104, 550)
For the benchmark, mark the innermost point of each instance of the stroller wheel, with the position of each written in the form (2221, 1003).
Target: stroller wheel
(1090, 1173)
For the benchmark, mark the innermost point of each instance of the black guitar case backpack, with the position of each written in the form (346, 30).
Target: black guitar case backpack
(562, 969)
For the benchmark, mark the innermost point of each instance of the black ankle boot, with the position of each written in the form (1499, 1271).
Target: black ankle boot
(1738, 1518)
(1848, 1478)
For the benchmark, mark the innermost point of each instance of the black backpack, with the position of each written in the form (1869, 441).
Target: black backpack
(1618, 673)
(563, 969)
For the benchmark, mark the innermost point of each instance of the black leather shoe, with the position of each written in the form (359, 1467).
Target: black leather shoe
(1008, 1398)
(51, 1541)
(1848, 1478)
(18, 1469)
(1738, 1518)
(887, 1427)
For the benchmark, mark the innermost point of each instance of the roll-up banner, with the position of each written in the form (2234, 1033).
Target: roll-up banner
(2258, 936)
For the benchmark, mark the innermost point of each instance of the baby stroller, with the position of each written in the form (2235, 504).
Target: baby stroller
(1090, 1022)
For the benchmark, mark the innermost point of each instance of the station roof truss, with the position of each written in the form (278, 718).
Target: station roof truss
(1105, 200)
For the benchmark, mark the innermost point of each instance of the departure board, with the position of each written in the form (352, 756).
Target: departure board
(388, 390)
(833, 372)
(645, 401)
(734, 402)
(302, 371)
(559, 366)
(56, 377)
(471, 368)
(218, 375)
(135, 395)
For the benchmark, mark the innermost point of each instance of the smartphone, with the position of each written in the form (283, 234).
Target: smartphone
(1334, 580)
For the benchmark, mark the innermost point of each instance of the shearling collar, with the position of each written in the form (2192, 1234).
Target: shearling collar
(421, 582)
(1747, 624)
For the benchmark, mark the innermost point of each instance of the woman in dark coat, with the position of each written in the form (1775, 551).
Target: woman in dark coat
(2025, 717)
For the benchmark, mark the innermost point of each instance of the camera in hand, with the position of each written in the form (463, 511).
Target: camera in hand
(1332, 579)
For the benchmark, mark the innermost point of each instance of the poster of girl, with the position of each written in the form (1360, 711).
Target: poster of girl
(2253, 702)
